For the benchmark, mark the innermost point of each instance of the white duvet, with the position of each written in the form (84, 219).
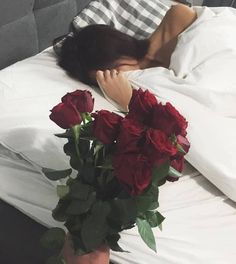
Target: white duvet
(201, 84)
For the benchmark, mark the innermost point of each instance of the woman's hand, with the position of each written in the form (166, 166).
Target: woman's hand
(99, 256)
(116, 86)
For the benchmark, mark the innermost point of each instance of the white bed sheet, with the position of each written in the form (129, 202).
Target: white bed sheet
(201, 84)
(199, 227)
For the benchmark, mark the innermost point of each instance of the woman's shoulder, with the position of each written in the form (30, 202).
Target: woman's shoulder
(179, 17)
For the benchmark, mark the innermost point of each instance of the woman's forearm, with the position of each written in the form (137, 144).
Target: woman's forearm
(163, 40)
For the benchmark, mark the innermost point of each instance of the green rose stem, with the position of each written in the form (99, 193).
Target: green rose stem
(76, 134)
(83, 116)
(86, 116)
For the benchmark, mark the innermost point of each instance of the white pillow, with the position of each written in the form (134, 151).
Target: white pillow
(138, 18)
(28, 91)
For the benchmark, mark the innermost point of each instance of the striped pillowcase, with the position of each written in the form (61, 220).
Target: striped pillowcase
(137, 18)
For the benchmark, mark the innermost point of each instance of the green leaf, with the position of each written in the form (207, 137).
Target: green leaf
(79, 190)
(159, 173)
(87, 173)
(112, 243)
(55, 175)
(59, 213)
(123, 212)
(146, 233)
(68, 134)
(154, 218)
(74, 224)
(53, 239)
(77, 207)
(84, 147)
(62, 191)
(174, 173)
(148, 200)
(75, 163)
(94, 228)
(69, 148)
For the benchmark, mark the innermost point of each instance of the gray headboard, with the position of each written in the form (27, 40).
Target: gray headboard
(29, 26)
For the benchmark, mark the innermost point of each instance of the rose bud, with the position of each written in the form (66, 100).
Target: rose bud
(106, 126)
(81, 99)
(169, 120)
(183, 142)
(141, 105)
(177, 164)
(65, 115)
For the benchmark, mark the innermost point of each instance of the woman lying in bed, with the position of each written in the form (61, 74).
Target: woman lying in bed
(100, 54)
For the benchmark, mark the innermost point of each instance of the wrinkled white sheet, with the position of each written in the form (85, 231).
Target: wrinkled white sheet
(202, 86)
(196, 84)
(28, 90)
(199, 227)
(200, 221)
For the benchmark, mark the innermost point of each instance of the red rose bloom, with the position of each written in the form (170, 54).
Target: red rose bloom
(156, 140)
(141, 105)
(106, 126)
(133, 170)
(65, 115)
(130, 134)
(169, 120)
(81, 99)
(158, 146)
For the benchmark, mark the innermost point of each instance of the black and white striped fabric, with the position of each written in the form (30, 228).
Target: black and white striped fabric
(137, 18)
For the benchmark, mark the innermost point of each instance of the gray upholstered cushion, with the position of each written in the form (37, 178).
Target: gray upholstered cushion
(29, 26)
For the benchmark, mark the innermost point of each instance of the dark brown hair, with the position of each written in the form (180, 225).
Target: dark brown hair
(97, 47)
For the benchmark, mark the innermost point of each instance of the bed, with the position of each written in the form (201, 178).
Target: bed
(200, 219)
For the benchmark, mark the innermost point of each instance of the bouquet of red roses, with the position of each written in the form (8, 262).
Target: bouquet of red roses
(121, 160)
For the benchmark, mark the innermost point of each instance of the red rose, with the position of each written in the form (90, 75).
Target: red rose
(183, 142)
(169, 120)
(158, 146)
(141, 105)
(133, 170)
(65, 115)
(177, 164)
(81, 99)
(178, 161)
(130, 134)
(106, 126)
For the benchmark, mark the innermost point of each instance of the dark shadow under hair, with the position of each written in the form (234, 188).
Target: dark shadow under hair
(97, 47)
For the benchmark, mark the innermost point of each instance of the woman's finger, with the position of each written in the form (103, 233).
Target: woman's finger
(107, 75)
(114, 73)
(100, 77)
